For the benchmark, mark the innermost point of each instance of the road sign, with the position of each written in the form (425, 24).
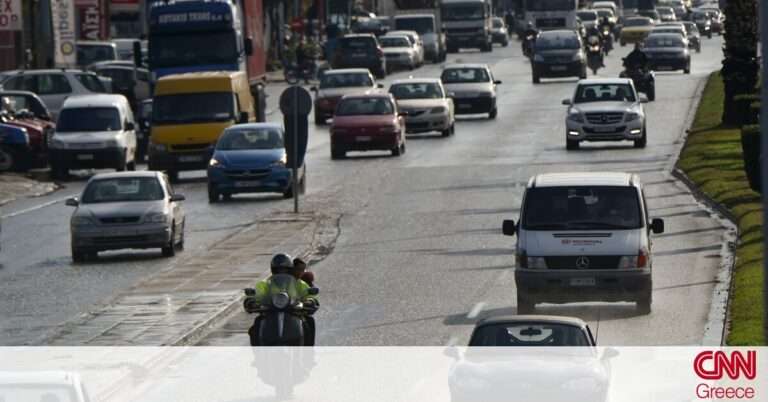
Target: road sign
(295, 100)
(296, 104)
(10, 15)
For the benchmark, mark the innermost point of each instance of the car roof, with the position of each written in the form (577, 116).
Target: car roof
(604, 81)
(94, 42)
(402, 32)
(60, 378)
(413, 80)
(663, 35)
(619, 179)
(372, 94)
(465, 65)
(347, 71)
(255, 126)
(359, 35)
(122, 175)
(549, 319)
(18, 93)
(95, 100)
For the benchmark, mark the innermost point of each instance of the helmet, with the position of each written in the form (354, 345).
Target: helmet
(281, 264)
(530, 25)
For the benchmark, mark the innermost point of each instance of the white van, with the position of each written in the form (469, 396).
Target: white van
(94, 131)
(583, 237)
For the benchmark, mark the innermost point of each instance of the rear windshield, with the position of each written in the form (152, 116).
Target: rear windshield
(345, 80)
(463, 75)
(582, 208)
(587, 15)
(241, 139)
(529, 334)
(545, 42)
(586, 93)
(395, 42)
(123, 190)
(665, 41)
(637, 22)
(89, 119)
(358, 43)
(365, 106)
(193, 108)
(424, 90)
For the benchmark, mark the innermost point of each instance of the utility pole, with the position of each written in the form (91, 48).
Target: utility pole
(764, 153)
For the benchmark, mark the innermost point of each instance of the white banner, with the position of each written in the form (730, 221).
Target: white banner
(10, 15)
(63, 14)
(383, 374)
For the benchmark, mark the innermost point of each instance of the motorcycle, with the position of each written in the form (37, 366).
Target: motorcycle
(607, 39)
(644, 79)
(594, 54)
(528, 42)
(283, 318)
(295, 73)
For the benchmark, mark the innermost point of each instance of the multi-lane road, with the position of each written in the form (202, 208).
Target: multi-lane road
(420, 255)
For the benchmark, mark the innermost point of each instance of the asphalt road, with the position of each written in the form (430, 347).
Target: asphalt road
(420, 246)
(421, 256)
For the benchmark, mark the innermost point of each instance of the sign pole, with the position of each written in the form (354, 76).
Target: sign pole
(296, 155)
(764, 152)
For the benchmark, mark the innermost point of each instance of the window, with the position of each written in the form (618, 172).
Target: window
(395, 41)
(190, 108)
(184, 49)
(582, 208)
(365, 106)
(664, 41)
(459, 75)
(89, 119)
(422, 25)
(91, 82)
(249, 139)
(416, 91)
(529, 334)
(547, 42)
(52, 84)
(604, 93)
(123, 190)
(345, 80)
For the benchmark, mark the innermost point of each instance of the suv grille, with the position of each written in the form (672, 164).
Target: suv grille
(578, 262)
(605, 118)
(119, 220)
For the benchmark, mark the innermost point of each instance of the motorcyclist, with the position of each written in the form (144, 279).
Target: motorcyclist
(281, 264)
(636, 60)
(595, 31)
(605, 23)
(529, 36)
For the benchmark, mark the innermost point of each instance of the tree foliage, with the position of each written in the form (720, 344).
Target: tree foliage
(740, 68)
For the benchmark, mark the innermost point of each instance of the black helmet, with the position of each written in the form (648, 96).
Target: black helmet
(281, 264)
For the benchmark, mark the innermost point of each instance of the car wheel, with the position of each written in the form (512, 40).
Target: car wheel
(583, 75)
(709, 35)
(524, 305)
(303, 182)
(337, 153)
(652, 92)
(7, 159)
(131, 166)
(59, 172)
(213, 195)
(446, 132)
(319, 119)
(623, 43)
(505, 43)
(687, 69)
(123, 164)
(170, 249)
(535, 78)
(571, 144)
(78, 256)
(289, 192)
(698, 48)
(180, 244)
(643, 141)
(397, 150)
(227, 196)
(493, 113)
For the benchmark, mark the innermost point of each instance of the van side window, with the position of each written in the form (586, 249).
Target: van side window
(50, 84)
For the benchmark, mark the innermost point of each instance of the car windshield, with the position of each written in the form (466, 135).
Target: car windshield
(664, 41)
(89, 119)
(557, 42)
(394, 41)
(124, 189)
(637, 22)
(464, 75)
(195, 107)
(189, 48)
(604, 12)
(498, 23)
(422, 25)
(582, 208)
(345, 80)
(529, 334)
(416, 91)
(364, 106)
(586, 93)
(587, 15)
(89, 54)
(240, 139)
(461, 12)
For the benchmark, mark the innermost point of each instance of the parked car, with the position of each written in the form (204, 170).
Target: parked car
(416, 42)
(473, 88)
(126, 210)
(94, 131)
(26, 110)
(89, 52)
(251, 158)
(367, 122)
(426, 105)
(54, 86)
(399, 52)
(14, 147)
(558, 54)
(499, 32)
(360, 51)
(532, 331)
(668, 52)
(334, 84)
(581, 237)
(605, 110)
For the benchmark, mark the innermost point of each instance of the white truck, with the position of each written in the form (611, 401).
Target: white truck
(468, 24)
(422, 17)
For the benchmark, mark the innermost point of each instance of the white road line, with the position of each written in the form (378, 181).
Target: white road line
(476, 310)
(36, 207)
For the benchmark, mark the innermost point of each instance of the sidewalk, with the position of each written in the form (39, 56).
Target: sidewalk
(177, 306)
(14, 186)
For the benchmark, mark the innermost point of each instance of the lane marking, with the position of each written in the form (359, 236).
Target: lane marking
(476, 310)
(36, 207)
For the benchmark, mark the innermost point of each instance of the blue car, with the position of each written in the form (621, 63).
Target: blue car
(251, 158)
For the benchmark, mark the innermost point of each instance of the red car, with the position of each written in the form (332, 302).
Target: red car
(369, 122)
(25, 109)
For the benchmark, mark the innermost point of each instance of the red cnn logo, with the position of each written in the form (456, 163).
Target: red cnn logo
(734, 365)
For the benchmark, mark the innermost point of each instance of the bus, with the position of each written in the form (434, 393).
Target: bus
(552, 14)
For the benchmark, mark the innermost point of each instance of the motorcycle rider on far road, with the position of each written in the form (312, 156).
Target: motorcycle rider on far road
(637, 60)
(529, 38)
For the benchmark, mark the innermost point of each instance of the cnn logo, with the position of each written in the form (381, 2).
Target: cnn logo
(711, 365)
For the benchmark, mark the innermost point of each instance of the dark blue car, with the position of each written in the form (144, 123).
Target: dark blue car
(251, 158)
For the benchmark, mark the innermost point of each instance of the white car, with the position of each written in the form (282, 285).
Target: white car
(426, 105)
(605, 110)
(584, 237)
(418, 44)
(472, 88)
(94, 131)
(399, 52)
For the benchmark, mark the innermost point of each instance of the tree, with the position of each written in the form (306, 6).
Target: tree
(740, 68)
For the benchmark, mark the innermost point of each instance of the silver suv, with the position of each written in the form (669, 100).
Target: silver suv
(55, 86)
(605, 110)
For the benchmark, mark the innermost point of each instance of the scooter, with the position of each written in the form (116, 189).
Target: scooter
(594, 54)
(282, 319)
(607, 40)
(644, 80)
(528, 42)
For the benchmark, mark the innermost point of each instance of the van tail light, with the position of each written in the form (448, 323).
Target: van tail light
(642, 258)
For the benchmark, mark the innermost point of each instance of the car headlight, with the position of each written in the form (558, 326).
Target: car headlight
(576, 116)
(437, 110)
(537, 263)
(110, 144)
(82, 221)
(280, 162)
(576, 57)
(157, 218)
(538, 58)
(281, 300)
(58, 144)
(215, 163)
(632, 116)
(158, 147)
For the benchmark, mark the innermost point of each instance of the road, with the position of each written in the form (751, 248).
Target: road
(420, 256)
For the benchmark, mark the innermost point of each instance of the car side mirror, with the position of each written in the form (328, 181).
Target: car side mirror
(129, 126)
(643, 98)
(177, 197)
(497, 82)
(509, 228)
(657, 226)
(313, 291)
(567, 102)
(72, 202)
(243, 117)
(380, 86)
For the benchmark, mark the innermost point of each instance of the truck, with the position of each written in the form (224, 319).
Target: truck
(552, 14)
(467, 24)
(212, 35)
(422, 16)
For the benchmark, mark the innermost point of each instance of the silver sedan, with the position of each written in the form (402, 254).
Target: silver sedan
(126, 210)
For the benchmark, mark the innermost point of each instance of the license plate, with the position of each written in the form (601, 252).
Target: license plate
(559, 68)
(191, 158)
(583, 282)
(358, 54)
(363, 139)
(603, 129)
(465, 106)
(85, 157)
(251, 183)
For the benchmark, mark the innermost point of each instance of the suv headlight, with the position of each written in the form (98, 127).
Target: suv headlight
(575, 116)
(280, 162)
(437, 110)
(577, 56)
(82, 221)
(632, 116)
(526, 262)
(157, 218)
(215, 163)
(110, 144)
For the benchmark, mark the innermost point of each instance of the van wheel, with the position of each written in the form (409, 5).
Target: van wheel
(524, 305)
(643, 141)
